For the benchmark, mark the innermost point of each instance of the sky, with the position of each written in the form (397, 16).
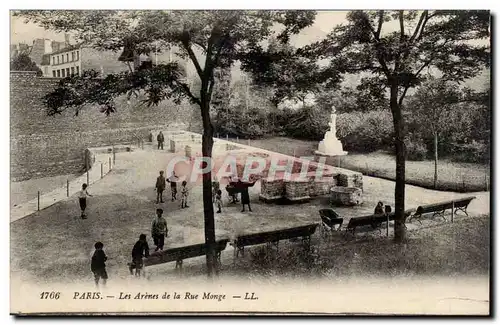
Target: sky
(324, 23)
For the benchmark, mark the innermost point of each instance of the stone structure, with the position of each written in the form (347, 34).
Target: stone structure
(331, 145)
(340, 195)
(43, 145)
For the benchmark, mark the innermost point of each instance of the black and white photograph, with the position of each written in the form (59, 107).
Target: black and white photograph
(250, 162)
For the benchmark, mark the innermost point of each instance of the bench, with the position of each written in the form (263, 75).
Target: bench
(330, 218)
(178, 254)
(438, 209)
(374, 220)
(273, 238)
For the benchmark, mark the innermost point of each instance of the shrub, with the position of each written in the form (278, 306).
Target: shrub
(415, 149)
(365, 132)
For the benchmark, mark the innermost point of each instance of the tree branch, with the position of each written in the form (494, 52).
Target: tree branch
(193, 58)
(377, 40)
(401, 25)
(380, 22)
(427, 17)
(403, 95)
(188, 92)
(422, 17)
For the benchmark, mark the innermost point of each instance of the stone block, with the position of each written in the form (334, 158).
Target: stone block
(349, 196)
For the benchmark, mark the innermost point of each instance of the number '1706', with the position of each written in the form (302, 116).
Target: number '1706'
(50, 295)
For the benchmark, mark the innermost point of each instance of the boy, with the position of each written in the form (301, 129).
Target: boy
(160, 138)
(98, 265)
(218, 200)
(140, 250)
(173, 185)
(184, 195)
(82, 198)
(160, 187)
(159, 230)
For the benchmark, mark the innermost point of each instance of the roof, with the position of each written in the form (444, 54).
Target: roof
(67, 49)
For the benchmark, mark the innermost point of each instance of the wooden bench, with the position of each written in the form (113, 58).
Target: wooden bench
(438, 209)
(374, 220)
(330, 218)
(273, 238)
(178, 254)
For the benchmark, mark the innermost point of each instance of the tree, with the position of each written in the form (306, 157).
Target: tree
(22, 62)
(443, 40)
(431, 105)
(210, 39)
(278, 67)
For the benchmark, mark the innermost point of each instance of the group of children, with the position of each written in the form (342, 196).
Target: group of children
(161, 184)
(159, 231)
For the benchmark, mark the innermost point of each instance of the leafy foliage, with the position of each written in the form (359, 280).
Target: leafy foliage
(22, 62)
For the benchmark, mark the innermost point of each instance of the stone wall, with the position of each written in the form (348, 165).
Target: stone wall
(43, 145)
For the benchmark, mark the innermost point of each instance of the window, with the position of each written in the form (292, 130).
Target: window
(67, 72)
(72, 56)
(58, 73)
(58, 59)
(46, 70)
(72, 70)
(77, 69)
(77, 55)
(53, 60)
(67, 57)
(63, 73)
(54, 73)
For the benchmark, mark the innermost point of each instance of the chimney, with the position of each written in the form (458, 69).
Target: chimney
(66, 39)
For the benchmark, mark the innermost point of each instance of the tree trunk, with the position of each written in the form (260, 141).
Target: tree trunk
(399, 192)
(208, 208)
(435, 159)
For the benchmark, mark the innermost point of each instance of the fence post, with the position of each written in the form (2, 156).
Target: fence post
(38, 199)
(67, 187)
(88, 183)
(387, 225)
(114, 155)
(101, 171)
(109, 163)
(452, 211)
(227, 137)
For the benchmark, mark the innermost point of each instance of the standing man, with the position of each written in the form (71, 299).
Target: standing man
(160, 138)
(159, 230)
(160, 187)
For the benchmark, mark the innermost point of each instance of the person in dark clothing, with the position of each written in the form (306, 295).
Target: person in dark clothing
(140, 250)
(173, 185)
(98, 265)
(245, 196)
(379, 209)
(159, 230)
(160, 138)
(160, 187)
(218, 200)
(387, 209)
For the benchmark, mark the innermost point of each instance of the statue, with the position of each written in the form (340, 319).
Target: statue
(330, 145)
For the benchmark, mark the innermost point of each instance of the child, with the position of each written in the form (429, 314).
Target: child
(98, 265)
(140, 250)
(82, 197)
(173, 185)
(159, 230)
(184, 195)
(218, 200)
(160, 187)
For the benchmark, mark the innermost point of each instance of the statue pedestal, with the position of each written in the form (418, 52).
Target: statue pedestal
(330, 146)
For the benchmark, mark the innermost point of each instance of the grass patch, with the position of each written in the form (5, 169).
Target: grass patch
(452, 176)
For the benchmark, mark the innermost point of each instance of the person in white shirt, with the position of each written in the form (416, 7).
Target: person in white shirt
(82, 198)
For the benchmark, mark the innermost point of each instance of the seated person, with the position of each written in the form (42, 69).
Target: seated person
(379, 209)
